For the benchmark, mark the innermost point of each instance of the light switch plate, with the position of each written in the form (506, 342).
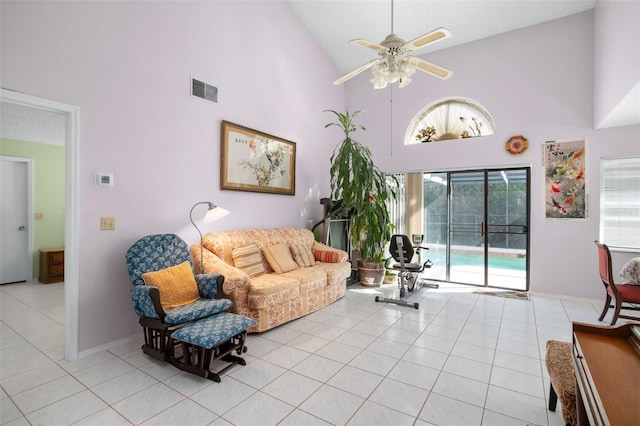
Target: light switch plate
(107, 223)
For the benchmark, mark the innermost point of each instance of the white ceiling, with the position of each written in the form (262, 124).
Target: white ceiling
(31, 124)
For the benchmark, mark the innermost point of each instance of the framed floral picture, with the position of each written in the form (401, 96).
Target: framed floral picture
(256, 161)
(565, 177)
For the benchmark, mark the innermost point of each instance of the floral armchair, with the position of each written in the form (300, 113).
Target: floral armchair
(182, 315)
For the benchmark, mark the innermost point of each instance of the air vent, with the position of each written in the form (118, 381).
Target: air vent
(204, 90)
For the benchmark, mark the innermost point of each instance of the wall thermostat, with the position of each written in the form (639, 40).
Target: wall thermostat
(104, 179)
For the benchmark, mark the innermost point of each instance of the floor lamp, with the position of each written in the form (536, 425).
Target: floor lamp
(213, 213)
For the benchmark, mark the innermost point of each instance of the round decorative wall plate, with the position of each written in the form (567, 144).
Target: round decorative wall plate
(517, 145)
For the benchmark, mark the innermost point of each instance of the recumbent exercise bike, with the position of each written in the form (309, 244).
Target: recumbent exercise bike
(402, 251)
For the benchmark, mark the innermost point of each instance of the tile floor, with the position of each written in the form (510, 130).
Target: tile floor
(461, 359)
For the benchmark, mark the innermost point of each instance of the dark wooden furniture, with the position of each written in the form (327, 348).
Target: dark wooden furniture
(51, 265)
(607, 366)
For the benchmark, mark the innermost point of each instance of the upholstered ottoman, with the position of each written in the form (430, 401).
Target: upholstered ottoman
(210, 339)
(563, 380)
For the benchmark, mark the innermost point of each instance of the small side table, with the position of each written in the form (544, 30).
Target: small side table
(52, 265)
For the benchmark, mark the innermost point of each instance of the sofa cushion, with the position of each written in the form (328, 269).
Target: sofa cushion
(177, 285)
(327, 256)
(303, 255)
(269, 289)
(249, 260)
(336, 272)
(279, 258)
(310, 278)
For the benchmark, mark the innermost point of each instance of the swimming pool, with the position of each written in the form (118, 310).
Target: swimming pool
(516, 263)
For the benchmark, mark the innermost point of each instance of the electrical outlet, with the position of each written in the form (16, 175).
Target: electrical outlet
(107, 223)
(39, 216)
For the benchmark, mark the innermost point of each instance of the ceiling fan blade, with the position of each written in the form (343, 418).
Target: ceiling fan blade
(432, 37)
(354, 72)
(368, 44)
(432, 69)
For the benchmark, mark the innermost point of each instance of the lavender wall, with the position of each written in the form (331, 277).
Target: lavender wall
(616, 54)
(537, 82)
(128, 65)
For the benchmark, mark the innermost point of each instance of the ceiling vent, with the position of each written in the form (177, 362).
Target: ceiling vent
(203, 90)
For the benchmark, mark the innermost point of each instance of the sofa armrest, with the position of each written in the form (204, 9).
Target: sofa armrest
(210, 285)
(234, 278)
(327, 254)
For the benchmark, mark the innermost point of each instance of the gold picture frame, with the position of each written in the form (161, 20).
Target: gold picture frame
(256, 161)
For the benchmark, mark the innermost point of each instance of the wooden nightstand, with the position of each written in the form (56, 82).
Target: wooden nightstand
(51, 265)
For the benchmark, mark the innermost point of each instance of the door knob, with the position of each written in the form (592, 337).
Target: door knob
(21, 228)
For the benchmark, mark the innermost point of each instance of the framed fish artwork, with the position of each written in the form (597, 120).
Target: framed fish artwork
(565, 175)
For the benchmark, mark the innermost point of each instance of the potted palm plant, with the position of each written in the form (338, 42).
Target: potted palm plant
(363, 187)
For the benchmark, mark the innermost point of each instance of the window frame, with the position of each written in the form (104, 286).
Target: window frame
(476, 108)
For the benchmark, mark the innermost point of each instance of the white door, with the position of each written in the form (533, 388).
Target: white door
(14, 222)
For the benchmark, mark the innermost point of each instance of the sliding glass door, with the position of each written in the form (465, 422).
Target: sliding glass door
(477, 227)
(508, 228)
(466, 227)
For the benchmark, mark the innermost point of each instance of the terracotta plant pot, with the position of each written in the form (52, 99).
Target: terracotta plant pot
(371, 274)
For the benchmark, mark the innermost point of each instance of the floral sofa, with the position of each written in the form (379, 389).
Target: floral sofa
(274, 275)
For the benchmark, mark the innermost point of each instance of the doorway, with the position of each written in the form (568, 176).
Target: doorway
(72, 207)
(477, 227)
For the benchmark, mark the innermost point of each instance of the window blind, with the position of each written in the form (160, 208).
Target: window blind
(620, 202)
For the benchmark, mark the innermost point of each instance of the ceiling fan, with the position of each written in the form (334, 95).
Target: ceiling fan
(394, 64)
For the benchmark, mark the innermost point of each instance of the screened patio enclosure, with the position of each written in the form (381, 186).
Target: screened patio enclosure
(475, 224)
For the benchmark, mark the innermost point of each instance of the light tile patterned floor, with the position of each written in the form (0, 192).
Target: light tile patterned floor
(461, 359)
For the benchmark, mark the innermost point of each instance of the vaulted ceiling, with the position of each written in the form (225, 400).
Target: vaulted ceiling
(334, 23)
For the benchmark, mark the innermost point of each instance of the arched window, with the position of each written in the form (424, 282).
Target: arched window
(450, 118)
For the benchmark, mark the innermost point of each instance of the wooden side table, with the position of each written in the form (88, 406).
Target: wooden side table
(52, 265)
(606, 362)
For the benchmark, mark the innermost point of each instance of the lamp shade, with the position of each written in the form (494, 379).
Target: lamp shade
(214, 213)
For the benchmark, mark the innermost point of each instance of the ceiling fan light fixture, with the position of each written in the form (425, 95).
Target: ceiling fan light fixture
(408, 68)
(378, 81)
(392, 70)
(404, 82)
(394, 64)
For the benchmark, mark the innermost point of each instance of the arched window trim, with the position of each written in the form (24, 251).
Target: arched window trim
(455, 126)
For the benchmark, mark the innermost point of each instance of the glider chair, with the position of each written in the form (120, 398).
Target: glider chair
(402, 251)
(620, 297)
(183, 316)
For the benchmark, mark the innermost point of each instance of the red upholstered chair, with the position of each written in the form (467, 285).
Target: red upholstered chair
(619, 296)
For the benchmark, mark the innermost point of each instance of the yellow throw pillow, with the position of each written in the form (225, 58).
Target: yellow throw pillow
(248, 259)
(302, 255)
(279, 258)
(177, 285)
